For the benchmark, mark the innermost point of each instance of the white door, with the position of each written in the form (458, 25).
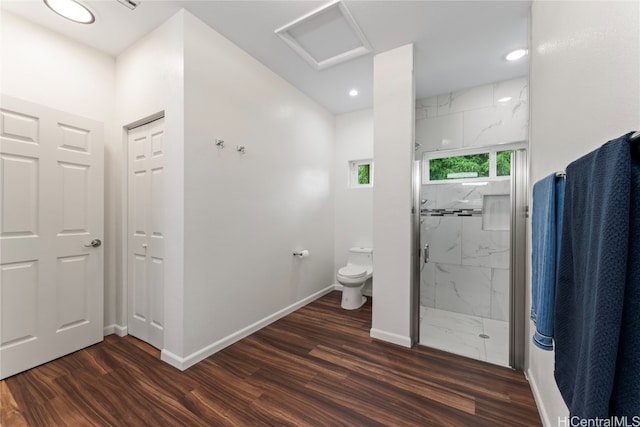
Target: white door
(146, 232)
(51, 209)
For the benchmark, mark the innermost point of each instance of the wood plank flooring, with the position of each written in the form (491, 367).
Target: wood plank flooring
(316, 367)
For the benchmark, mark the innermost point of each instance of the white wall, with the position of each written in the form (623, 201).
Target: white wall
(473, 117)
(393, 118)
(150, 80)
(46, 68)
(585, 90)
(246, 214)
(353, 206)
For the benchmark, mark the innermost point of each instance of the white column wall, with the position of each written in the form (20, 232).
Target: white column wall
(150, 79)
(393, 118)
(584, 91)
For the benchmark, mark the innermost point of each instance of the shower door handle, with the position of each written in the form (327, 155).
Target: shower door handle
(426, 253)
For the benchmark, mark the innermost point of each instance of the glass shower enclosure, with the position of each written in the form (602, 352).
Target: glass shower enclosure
(469, 297)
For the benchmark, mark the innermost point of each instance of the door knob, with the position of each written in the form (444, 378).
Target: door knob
(94, 243)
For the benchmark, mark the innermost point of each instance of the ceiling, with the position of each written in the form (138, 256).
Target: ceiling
(458, 44)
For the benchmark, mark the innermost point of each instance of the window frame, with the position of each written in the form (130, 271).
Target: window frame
(490, 149)
(353, 173)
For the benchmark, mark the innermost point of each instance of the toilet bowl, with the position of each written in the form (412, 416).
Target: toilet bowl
(353, 276)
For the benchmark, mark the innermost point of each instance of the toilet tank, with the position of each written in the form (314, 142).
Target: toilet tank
(360, 256)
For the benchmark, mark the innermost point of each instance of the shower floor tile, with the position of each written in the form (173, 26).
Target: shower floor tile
(460, 334)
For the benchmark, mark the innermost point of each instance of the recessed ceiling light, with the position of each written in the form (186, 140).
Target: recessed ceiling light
(353, 92)
(72, 10)
(516, 54)
(505, 99)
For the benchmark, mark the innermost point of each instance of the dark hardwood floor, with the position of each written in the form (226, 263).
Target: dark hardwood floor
(316, 367)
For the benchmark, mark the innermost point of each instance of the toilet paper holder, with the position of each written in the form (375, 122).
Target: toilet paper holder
(301, 254)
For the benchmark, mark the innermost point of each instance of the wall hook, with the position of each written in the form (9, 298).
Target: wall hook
(240, 149)
(219, 143)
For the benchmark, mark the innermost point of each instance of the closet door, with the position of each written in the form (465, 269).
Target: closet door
(51, 225)
(145, 232)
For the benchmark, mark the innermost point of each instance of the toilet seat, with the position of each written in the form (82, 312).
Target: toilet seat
(353, 271)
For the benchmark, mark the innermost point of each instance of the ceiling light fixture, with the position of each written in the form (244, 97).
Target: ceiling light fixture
(516, 54)
(71, 10)
(353, 92)
(505, 99)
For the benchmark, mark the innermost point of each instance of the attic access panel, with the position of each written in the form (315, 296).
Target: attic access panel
(326, 36)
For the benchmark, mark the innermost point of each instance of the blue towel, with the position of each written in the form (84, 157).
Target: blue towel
(596, 330)
(626, 390)
(546, 228)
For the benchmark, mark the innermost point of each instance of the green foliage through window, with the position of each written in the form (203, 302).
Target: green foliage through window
(503, 163)
(470, 166)
(363, 174)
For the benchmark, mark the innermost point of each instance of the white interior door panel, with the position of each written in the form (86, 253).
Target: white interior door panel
(51, 209)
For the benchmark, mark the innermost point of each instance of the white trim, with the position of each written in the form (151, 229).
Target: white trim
(120, 331)
(544, 415)
(353, 173)
(149, 119)
(390, 337)
(183, 363)
(465, 151)
(124, 219)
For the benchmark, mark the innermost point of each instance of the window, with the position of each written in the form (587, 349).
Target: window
(468, 165)
(456, 167)
(361, 173)
(503, 163)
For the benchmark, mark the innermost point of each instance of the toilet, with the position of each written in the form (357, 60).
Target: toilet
(353, 276)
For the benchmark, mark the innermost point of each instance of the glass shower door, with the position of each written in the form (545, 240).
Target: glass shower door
(466, 264)
(464, 282)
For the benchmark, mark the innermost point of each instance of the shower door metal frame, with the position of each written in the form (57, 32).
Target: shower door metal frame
(518, 259)
(415, 259)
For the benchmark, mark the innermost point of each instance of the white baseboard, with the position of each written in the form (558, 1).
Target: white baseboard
(120, 331)
(173, 359)
(544, 415)
(390, 337)
(183, 363)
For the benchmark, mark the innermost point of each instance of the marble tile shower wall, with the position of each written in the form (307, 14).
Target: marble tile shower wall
(468, 269)
(473, 117)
